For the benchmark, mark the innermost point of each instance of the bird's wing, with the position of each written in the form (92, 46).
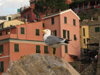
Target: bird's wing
(53, 40)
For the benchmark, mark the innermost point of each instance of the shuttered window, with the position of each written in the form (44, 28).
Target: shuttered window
(1, 48)
(28, 16)
(1, 66)
(43, 25)
(52, 20)
(46, 49)
(83, 31)
(37, 32)
(66, 49)
(64, 33)
(74, 22)
(65, 19)
(16, 47)
(84, 41)
(75, 37)
(68, 34)
(37, 49)
(54, 50)
(0, 33)
(97, 29)
(22, 30)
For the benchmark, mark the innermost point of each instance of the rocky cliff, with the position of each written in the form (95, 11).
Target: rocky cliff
(37, 64)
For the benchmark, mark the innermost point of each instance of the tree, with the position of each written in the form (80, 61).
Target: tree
(49, 6)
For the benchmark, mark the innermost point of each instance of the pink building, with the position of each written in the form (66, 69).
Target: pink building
(20, 40)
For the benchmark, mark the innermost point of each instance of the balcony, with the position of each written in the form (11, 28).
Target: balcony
(8, 36)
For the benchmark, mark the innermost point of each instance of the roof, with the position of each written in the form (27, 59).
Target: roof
(7, 28)
(62, 13)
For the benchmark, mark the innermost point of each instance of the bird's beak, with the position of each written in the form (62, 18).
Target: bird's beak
(43, 31)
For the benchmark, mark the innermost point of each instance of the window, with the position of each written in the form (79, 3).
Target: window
(9, 18)
(52, 20)
(66, 49)
(54, 50)
(6, 32)
(97, 29)
(66, 34)
(37, 49)
(84, 41)
(46, 49)
(0, 33)
(83, 31)
(1, 66)
(37, 32)
(65, 19)
(75, 37)
(74, 22)
(28, 16)
(43, 25)
(16, 47)
(22, 30)
(54, 32)
(1, 48)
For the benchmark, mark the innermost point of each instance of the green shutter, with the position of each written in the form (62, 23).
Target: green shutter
(46, 49)
(52, 20)
(97, 29)
(83, 31)
(1, 66)
(43, 25)
(37, 49)
(28, 16)
(54, 50)
(64, 33)
(55, 32)
(22, 30)
(66, 49)
(37, 32)
(1, 48)
(16, 47)
(75, 37)
(84, 41)
(65, 19)
(74, 22)
(0, 33)
(68, 34)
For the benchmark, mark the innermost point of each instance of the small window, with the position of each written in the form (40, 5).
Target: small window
(97, 29)
(37, 32)
(54, 50)
(16, 47)
(0, 33)
(83, 31)
(9, 18)
(6, 32)
(75, 37)
(74, 22)
(64, 33)
(84, 41)
(46, 49)
(65, 19)
(28, 16)
(1, 66)
(66, 49)
(54, 32)
(52, 20)
(43, 25)
(37, 49)
(1, 48)
(22, 30)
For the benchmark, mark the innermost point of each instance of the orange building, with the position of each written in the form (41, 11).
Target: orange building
(25, 39)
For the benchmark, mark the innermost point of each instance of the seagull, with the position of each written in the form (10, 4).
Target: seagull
(53, 41)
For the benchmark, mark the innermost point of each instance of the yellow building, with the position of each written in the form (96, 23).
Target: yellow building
(84, 32)
(10, 23)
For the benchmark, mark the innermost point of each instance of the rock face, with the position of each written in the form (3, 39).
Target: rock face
(37, 64)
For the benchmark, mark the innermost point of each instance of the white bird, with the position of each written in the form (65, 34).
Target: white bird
(54, 41)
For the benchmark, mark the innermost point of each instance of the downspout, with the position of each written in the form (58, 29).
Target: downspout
(60, 36)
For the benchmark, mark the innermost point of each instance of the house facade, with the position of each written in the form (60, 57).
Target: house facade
(19, 40)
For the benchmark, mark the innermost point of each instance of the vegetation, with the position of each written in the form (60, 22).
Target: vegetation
(49, 6)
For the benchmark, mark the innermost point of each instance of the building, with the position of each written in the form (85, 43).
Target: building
(10, 23)
(27, 38)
